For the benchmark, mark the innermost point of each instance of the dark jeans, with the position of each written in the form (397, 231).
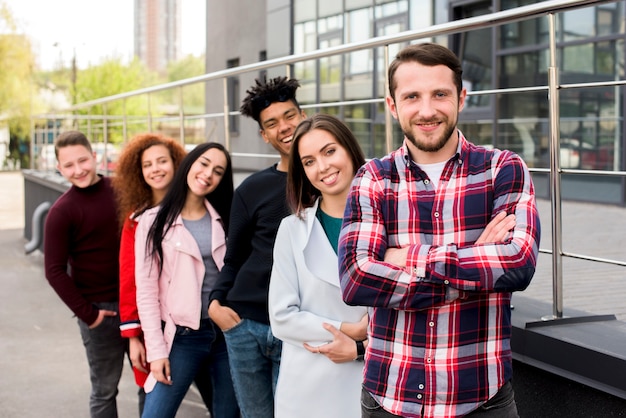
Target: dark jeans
(254, 355)
(501, 405)
(193, 352)
(105, 349)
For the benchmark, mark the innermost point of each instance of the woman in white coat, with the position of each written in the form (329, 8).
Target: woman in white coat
(323, 338)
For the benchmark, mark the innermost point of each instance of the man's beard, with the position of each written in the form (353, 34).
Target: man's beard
(430, 147)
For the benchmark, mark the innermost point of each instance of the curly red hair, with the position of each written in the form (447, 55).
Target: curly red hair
(132, 192)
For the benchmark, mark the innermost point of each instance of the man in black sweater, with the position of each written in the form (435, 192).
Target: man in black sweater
(239, 299)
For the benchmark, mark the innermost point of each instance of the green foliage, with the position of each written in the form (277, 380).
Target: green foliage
(16, 67)
(109, 78)
(193, 94)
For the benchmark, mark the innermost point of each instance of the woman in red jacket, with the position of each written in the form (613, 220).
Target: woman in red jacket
(144, 172)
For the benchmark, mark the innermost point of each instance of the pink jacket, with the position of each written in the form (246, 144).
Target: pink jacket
(175, 297)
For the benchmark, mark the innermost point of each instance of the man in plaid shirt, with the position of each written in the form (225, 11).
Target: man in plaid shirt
(436, 236)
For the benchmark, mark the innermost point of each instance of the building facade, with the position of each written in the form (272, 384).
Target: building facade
(590, 48)
(157, 32)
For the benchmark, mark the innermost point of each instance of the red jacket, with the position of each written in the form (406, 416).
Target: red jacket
(129, 317)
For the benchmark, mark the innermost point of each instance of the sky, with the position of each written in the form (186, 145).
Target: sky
(94, 29)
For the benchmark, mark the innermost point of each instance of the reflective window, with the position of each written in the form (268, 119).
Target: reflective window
(474, 48)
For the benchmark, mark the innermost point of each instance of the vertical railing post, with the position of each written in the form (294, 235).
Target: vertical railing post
(555, 175)
(388, 118)
(226, 115)
(181, 115)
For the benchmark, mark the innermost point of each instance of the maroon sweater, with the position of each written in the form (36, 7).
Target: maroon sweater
(82, 231)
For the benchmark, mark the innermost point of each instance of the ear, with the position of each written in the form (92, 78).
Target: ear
(391, 104)
(264, 136)
(462, 98)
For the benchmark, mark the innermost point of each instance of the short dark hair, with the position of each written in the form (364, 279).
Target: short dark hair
(428, 54)
(70, 138)
(300, 192)
(264, 93)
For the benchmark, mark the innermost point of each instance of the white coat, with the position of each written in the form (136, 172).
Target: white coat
(303, 294)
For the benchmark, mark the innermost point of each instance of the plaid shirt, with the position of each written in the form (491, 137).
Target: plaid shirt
(440, 328)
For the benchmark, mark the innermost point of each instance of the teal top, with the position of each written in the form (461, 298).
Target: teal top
(332, 227)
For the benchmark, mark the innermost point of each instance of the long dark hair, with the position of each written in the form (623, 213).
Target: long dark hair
(300, 192)
(174, 201)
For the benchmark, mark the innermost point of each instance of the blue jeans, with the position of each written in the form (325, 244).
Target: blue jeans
(194, 352)
(254, 355)
(105, 350)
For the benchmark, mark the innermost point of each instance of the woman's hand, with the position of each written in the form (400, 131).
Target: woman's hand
(137, 353)
(356, 330)
(161, 370)
(340, 350)
(223, 316)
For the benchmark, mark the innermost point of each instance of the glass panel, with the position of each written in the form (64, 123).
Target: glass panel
(475, 53)
(578, 59)
(578, 24)
(521, 70)
(359, 29)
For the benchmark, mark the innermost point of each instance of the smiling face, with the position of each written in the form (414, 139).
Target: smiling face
(327, 165)
(157, 167)
(77, 165)
(427, 106)
(278, 123)
(206, 172)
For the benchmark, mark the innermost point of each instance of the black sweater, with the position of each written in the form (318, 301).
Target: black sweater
(259, 204)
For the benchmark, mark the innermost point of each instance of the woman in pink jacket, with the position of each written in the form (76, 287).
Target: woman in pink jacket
(179, 251)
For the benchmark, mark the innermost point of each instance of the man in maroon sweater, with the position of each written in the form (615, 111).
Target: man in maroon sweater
(81, 244)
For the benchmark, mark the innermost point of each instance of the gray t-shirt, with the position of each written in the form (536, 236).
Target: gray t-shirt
(202, 233)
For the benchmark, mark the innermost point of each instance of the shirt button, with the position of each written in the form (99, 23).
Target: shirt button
(426, 181)
(460, 161)
(431, 324)
(436, 214)
(429, 360)
(421, 386)
(446, 282)
(419, 396)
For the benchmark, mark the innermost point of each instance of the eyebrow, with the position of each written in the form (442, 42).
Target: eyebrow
(302, 157)
(266, 121)
(209, 160)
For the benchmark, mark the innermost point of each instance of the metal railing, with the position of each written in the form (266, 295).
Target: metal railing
(545, 8)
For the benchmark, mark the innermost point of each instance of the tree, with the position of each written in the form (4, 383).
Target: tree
(193, 94)
(109, 78)
(16, 68)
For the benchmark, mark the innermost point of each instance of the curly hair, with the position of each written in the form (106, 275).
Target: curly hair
(264, 93)
(132, 192)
